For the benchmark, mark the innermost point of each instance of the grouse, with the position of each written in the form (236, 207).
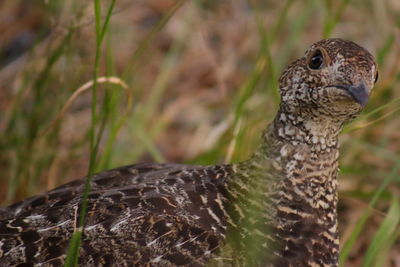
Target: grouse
(278, 208)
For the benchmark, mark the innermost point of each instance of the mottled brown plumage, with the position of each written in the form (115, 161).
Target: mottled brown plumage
(276, 209)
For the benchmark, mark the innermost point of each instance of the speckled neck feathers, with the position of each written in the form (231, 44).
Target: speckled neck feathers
(300, 164)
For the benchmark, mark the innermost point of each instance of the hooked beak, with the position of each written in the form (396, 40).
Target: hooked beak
(358, 93)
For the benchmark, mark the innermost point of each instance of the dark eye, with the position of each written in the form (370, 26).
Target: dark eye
(316, 60)
(376, 77)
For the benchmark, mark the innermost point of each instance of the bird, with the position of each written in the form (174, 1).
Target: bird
(277, 208)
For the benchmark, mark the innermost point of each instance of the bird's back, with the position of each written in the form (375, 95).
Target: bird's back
(158, 214)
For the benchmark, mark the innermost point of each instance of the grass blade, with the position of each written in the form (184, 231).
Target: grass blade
(73, 250)
(361, 222)
(384, 236)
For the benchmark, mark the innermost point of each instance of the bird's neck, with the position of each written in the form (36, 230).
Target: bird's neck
(300, 147)
(305, 128)
(300, 157)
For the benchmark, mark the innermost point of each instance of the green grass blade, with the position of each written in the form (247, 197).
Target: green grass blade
(73, 250)
(333, 19)
(384, 236)
(145, 43)
(72, 254)
(364, 217)
(385, 50)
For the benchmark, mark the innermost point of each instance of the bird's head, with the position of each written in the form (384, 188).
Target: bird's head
(333, 80)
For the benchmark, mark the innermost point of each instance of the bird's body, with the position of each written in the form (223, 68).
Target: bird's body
(276, 209)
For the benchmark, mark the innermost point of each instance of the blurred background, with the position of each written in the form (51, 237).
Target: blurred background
(195, 82)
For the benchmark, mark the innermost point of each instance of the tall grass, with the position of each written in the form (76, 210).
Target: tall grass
(178, 118)
(94, 137)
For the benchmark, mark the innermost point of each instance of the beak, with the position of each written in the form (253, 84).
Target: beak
(359, 93)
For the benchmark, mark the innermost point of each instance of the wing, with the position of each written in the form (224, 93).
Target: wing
(158, 214)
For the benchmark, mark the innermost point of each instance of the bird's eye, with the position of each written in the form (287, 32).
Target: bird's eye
(316, 60)
(376, 77)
